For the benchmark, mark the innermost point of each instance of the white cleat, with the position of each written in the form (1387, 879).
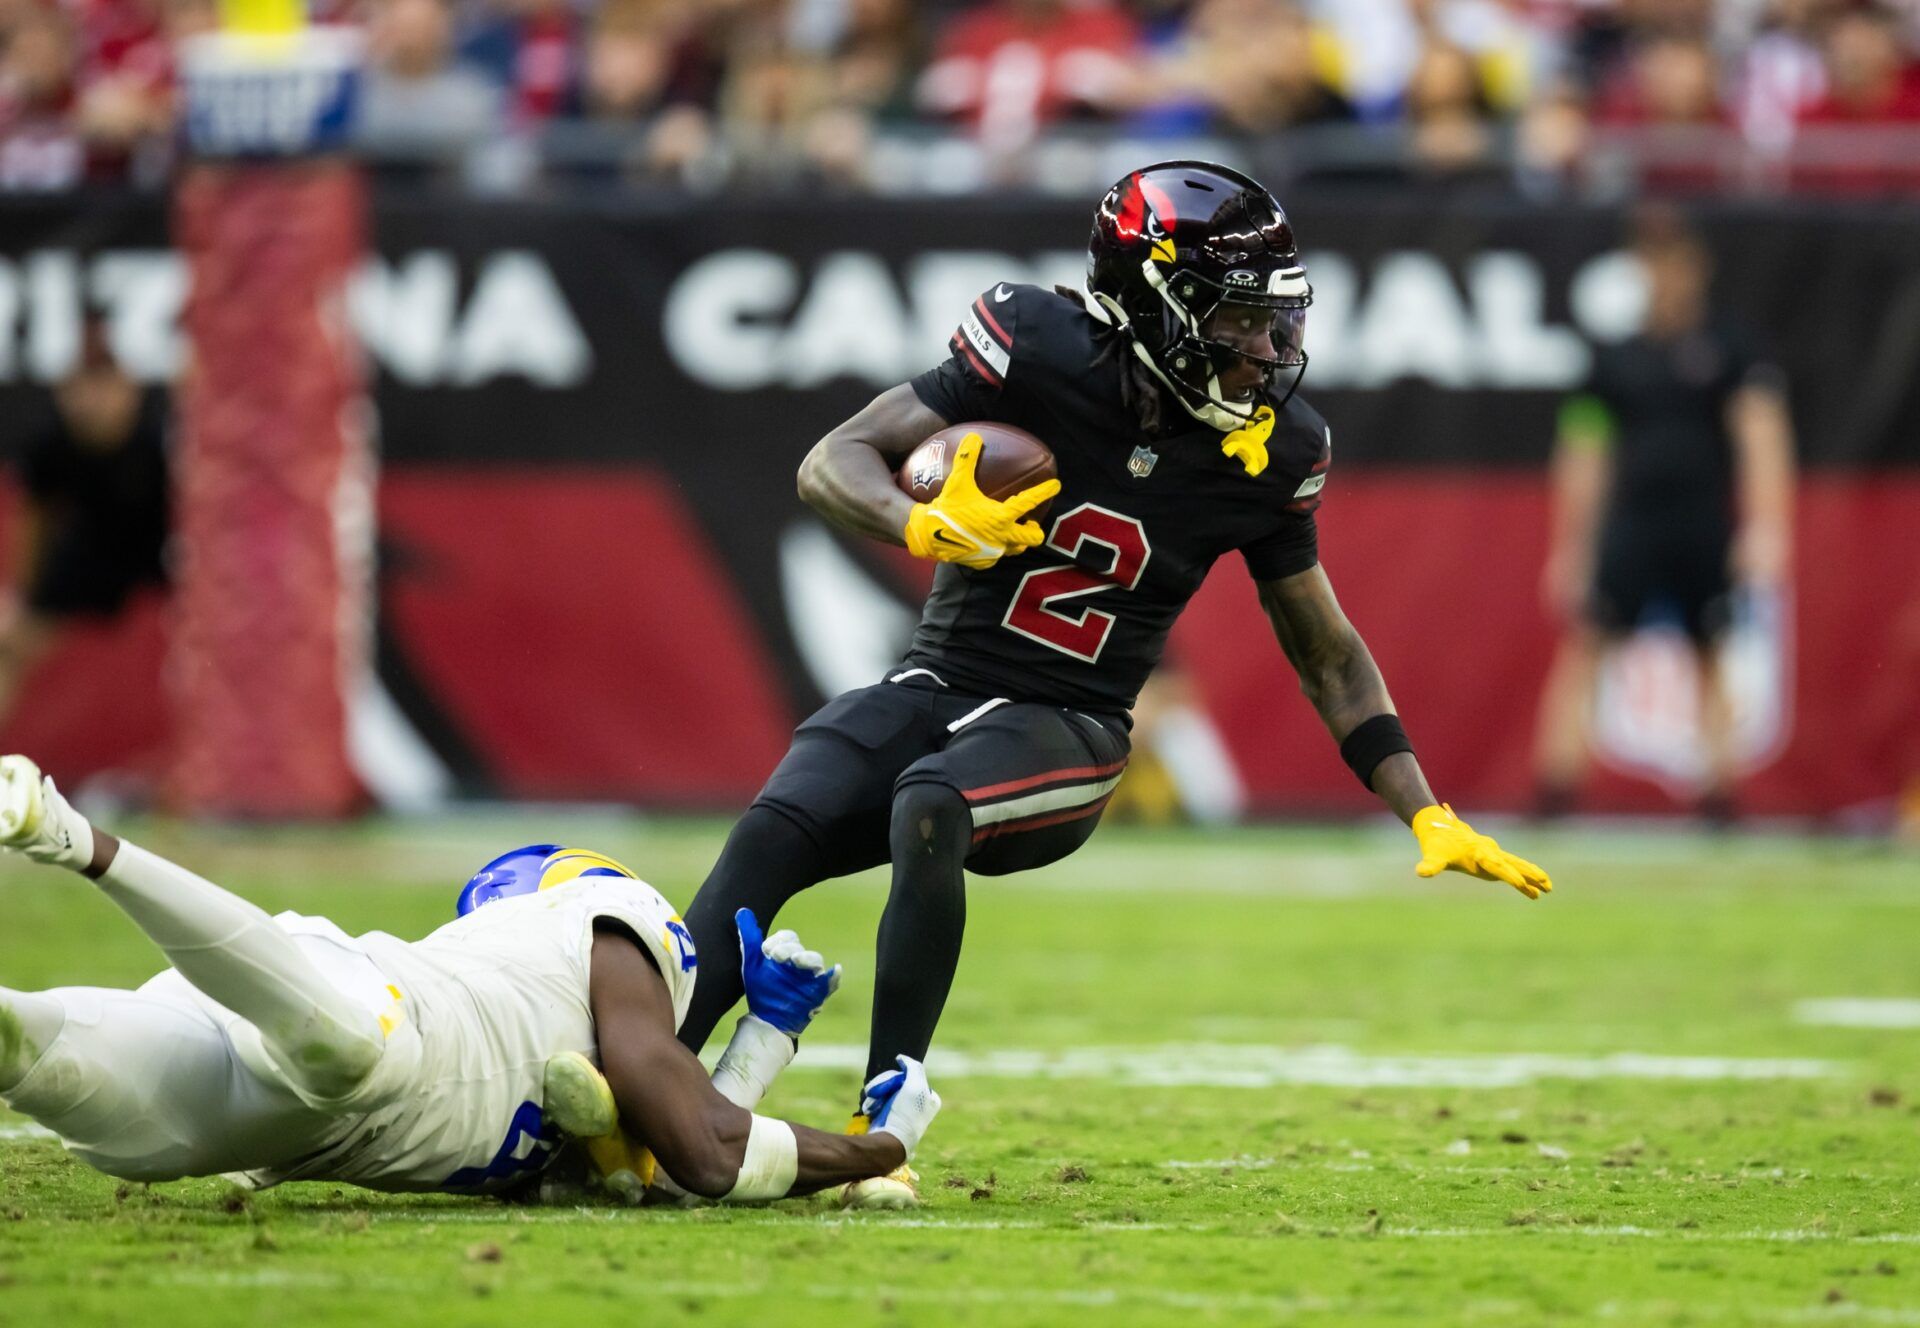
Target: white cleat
(37, 821)
(576, 1098)
(898, 1189)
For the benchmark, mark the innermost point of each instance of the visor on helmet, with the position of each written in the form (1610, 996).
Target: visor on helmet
(1261, 332)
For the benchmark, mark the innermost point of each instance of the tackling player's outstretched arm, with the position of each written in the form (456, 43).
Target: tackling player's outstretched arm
(848, 476)
(711, 1147)
(1339, 676)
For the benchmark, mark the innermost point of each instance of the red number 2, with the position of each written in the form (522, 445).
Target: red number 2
(1037, 610)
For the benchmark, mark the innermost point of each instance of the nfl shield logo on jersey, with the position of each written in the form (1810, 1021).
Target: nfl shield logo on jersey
(1141, 462)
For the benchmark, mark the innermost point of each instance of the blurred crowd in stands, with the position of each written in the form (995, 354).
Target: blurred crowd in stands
(1534, 91)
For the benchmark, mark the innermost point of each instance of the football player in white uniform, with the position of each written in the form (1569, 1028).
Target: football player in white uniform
(281, 1048)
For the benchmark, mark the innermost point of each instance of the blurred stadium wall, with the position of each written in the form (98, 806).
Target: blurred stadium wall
(596, 581)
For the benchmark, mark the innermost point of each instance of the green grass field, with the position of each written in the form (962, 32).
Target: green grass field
(1237, 1078)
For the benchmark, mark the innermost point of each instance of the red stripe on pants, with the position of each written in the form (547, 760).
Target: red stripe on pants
(1050, 777)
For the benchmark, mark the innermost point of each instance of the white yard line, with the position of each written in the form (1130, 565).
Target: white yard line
(1790, 1237)
(1802, 1237)
(1225, 1065)
(1860, 1012)
(787, 1218)
(1842, 1312)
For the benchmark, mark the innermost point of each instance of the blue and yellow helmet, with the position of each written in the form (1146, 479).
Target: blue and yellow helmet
(523, 871)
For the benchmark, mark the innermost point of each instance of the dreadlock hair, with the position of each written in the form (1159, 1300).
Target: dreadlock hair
(1140, 393)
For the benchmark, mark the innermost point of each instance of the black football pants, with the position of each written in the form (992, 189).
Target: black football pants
(935, 782)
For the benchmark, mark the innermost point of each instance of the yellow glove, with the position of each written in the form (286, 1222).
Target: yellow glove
(1448, 843)
(1248, 443)
(578, 1102)
(962, 525)
(625, 1168)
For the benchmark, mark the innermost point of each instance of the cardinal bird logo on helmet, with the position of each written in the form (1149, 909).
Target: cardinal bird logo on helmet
(1146, 212)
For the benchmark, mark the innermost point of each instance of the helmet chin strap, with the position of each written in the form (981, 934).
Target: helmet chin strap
(1215, 413)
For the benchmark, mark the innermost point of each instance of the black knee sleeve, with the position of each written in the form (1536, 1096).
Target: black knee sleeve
(929, 818)
(919, 942)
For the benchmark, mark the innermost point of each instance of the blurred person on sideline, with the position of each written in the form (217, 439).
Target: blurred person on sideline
(532, 48)
(41, 149)
(1373, 46)
(1249, 66)
(807, 83)
(92, 527)
(1372, 49)
(1673, 485)
(1871, 76)
(1552, 140)
(1872, 105)
(651, 64)
(1781, 71)
(419, 99)
(124, 107)
(1669, 95)
(1671, 79)
(1517, 49)
(1009, 68)
(1447, 111)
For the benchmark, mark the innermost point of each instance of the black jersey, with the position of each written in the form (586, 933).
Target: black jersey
(1667, 401)
(1139, 520)
(111, 497)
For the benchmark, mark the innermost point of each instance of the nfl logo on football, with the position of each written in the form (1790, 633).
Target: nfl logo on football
(931, 467)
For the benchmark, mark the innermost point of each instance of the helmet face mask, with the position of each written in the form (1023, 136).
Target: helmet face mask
(1236, 337)
(1185, 256)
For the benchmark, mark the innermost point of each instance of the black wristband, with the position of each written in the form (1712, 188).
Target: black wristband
(1372, 742)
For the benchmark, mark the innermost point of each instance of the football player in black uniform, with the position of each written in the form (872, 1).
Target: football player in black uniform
(1168, 399)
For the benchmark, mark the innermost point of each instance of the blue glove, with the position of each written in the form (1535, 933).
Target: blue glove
(900, 1103)
(786, 983)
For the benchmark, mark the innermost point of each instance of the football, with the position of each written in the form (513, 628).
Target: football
(1010, 460)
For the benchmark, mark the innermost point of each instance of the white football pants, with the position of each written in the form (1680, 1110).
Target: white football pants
(148, 1084)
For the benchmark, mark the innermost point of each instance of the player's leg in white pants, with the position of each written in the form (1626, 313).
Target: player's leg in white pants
(324, 1041)
(145, 1085)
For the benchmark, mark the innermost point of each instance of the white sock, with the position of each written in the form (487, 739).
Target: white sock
(752, 1061)
(29, 1022)
(235, 953)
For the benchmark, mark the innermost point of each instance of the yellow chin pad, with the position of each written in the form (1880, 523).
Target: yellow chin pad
(1248, 443)
(570, 864)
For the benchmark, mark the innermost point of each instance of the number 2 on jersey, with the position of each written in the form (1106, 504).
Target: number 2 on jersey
(1043, 608)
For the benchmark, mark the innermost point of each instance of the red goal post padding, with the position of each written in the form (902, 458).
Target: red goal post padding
(273, 492)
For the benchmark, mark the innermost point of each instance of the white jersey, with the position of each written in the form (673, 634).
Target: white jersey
(472, 1014)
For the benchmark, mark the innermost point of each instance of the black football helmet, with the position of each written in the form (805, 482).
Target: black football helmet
(1174, 242)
